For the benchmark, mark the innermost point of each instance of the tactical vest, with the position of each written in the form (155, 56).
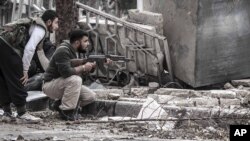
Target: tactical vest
(16, 36)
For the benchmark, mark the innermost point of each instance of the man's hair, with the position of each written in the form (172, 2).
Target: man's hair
(77, 34)
(49, 15)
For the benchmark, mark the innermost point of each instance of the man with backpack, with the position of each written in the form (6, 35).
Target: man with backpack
(18, 43)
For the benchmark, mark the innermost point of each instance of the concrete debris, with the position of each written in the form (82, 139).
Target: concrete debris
(185, 93)
(229, 86)
(229, 102)
(113, 96)
(103, 93)
(240, 87)
(152, 110)
(242, 82)
(241, 93)
(228, 94)
(153, 86)
(195, 102)
(139, 91)
(164, 99)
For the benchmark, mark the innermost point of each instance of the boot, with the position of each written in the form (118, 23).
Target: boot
(55, 105)
(68, 115)
(7, 111)
(7, 115)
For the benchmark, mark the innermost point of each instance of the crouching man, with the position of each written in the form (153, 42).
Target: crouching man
(62, 80)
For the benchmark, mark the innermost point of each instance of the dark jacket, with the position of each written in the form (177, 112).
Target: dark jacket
(60, 65)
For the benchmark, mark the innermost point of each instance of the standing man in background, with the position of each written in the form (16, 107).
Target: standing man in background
(18, 46)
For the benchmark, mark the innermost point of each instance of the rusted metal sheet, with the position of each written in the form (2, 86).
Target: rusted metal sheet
(209, 39)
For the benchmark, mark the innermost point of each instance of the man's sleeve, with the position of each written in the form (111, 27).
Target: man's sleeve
(30, 48)
(62, 60)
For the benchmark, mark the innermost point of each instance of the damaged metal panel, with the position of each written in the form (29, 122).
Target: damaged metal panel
(147, 50)
(208, 39)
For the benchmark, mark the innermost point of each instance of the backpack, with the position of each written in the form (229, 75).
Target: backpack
(16, 34)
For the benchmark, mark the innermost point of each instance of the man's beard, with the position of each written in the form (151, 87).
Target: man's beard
(81, 49)
(50, 29)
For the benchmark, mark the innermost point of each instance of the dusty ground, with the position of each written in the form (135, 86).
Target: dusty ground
(54, 129)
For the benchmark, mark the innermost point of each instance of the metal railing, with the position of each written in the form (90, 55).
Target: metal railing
(159, 44)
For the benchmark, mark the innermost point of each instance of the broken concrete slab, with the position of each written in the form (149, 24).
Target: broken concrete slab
(152, 110)
(124, 108)
(228, 86)
(131, 109)
(241, 93)
(195, 102)
(37, 101)
(242, 82)
(164, 99)
(229, 102)
(201, 112)
(140, 100)
(113, 96)
(101, 108)
(35, 95)
(153, 86)
(219, 94)
(103, 93)
(139, 91)
(185, 93)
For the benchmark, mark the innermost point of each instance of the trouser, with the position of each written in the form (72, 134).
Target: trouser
(70, 90)
(11, 71)
(35, 83)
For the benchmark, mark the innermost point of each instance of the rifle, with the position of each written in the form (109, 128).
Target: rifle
(103, 58)
(99, 59)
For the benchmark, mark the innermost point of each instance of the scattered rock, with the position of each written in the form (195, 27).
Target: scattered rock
(139, 91)
(228, 86)
(153, 86)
